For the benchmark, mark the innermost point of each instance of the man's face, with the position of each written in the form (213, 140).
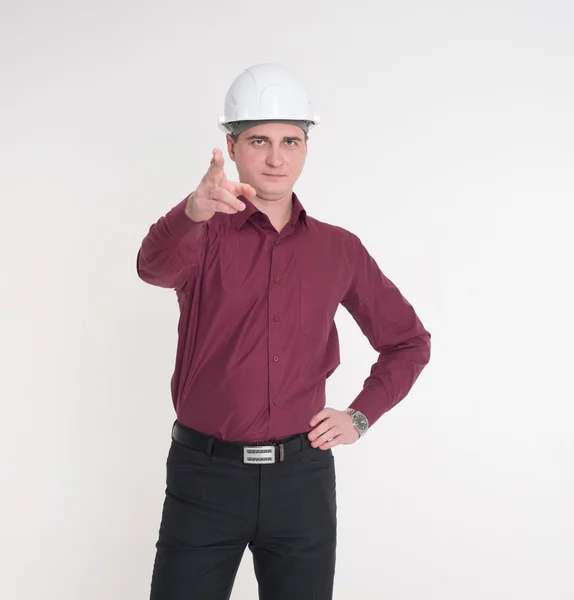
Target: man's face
(270, 157)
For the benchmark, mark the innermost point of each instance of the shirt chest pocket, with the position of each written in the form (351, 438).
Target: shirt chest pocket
(318, 306)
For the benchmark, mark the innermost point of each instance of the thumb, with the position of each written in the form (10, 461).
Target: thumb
(244, 189)
(249, 191)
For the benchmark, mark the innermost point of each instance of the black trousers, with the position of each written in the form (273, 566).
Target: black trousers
(215, 507)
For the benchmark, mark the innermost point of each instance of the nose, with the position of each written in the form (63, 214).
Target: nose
(274, 158)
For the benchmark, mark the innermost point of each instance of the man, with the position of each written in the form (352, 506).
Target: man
(258, 283)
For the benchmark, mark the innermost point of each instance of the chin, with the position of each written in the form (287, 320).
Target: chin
(277, 191)
(275, 184)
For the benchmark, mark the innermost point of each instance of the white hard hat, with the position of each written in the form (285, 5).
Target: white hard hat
(263, 92)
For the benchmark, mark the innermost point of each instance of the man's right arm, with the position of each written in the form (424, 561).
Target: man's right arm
(177, 241)
(171, 248)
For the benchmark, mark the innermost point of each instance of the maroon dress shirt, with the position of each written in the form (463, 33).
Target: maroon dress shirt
(256, 334)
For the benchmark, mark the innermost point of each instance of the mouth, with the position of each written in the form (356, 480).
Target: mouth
(274, 176)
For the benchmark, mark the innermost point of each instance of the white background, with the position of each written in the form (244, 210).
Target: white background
(445, 143)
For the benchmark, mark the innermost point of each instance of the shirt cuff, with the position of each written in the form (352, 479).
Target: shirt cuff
(370, 403)
(179, 224)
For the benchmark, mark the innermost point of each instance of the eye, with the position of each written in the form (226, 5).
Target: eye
(255, 144)
(294, 142)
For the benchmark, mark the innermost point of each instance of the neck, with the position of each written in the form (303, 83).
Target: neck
(278, 209)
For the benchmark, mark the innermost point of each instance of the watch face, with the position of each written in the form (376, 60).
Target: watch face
(361, 422)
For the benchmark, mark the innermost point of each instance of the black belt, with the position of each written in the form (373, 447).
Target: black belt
(255, 453)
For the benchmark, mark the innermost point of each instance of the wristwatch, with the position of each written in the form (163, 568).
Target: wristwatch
(360, 422)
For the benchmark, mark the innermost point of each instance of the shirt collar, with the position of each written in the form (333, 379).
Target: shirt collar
(298, 212)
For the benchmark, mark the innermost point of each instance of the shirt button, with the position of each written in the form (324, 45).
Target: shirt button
(276, 279)
(275, 401)
(276, 319)
(276, 358)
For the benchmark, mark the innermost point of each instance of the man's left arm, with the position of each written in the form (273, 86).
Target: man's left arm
(393, 329)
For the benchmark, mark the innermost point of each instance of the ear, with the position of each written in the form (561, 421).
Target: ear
(230, 147)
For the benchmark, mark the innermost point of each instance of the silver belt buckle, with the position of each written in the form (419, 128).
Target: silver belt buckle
(261, 454)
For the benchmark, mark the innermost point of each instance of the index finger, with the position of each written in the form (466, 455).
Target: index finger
(215, 171)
